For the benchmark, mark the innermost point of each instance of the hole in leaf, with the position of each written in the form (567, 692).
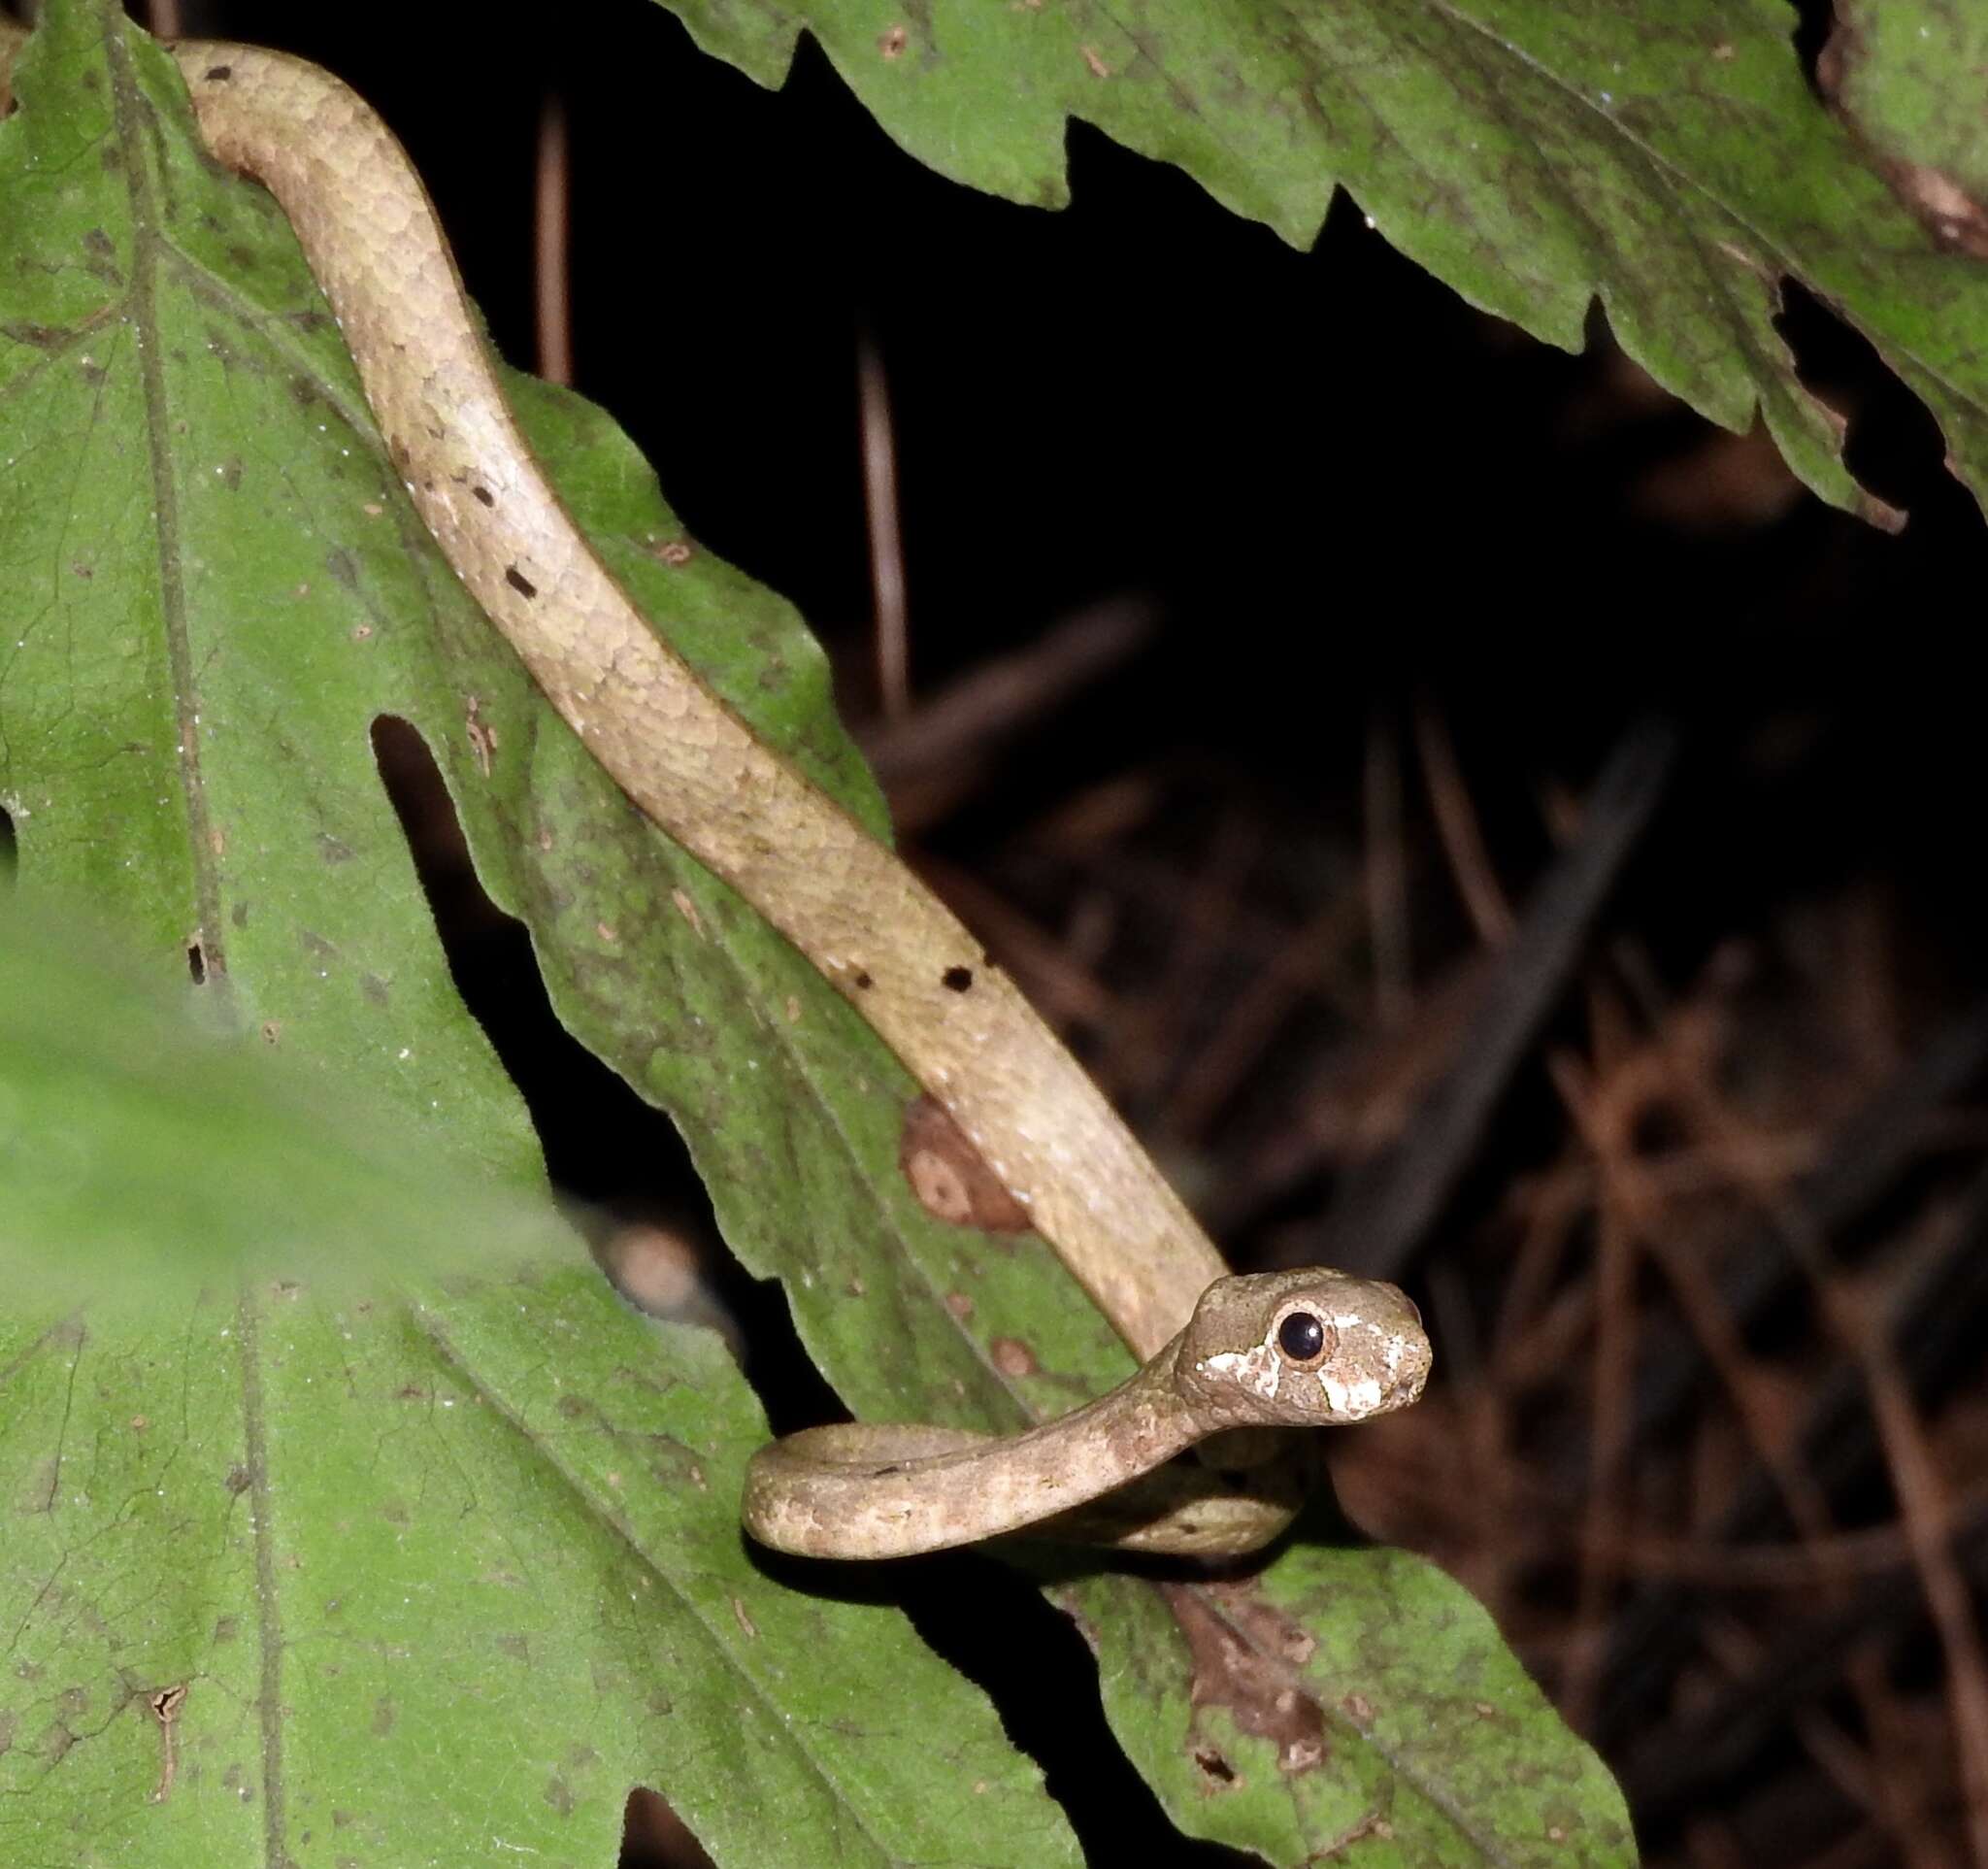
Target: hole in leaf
(1813, 20)
(1892, 442)
(623, 1158)
(654, 1837)
(1215, 1765)
(196, 962)
(10, 855)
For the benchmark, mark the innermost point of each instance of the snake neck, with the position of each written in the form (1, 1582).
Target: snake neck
(872, 1491)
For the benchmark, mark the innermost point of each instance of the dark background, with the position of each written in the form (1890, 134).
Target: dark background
(1344, 503)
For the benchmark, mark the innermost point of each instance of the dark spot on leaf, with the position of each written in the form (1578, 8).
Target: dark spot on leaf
(950, 1177)
(517, 1646)
(239, 915)
(218, 74)
(231, 474)
(375, 988)
(333, 850)
(196, 962)
(383, 1716)
(102, 262)
(956, 980)
(43, 337)
(303, 391)
(342, 567)
(484, 494)
(519, 582)
(237, 1480)
(1215, 1765)
(863, 982)
(1245, 1657)
(571, 1406)
(226, 1628)
(1012, 1358)
(559, 1795)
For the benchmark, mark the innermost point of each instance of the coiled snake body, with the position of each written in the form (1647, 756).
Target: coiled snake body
(1276, 1349)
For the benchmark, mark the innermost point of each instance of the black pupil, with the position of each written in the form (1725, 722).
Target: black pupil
(1301, 1336)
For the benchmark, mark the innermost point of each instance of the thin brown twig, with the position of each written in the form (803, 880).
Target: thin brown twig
(1201, 928)
(550, 260)
(1614, 1362)
(1967, 1682)
(1926, 1509)
(929, 758)
(887, 541)
(1923, 1504)
(1535, 1515)
(1248, 1026)
(1457, 826)
(1842, 1761)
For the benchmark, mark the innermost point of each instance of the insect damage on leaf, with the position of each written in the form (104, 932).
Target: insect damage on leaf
(950, 1176)
(1237, 1667)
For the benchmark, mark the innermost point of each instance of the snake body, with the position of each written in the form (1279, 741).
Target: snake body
(958, 1023)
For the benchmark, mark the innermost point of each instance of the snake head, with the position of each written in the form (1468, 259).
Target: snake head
(1310, 1348)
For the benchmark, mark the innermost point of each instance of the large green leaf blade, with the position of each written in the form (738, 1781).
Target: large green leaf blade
(795, 1113)
(415, 1570)
(1349, 1696)
(437, 1575)
(1674, 165)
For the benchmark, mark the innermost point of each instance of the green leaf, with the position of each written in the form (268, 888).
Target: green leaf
(1352, 1696)
(1533, 155)
(493, 1527)
(1908, 79)
(442, 1573)
(141, 1155)
(212, 588)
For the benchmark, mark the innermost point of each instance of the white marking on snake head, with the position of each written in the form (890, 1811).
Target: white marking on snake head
(1257, 1369)
(1351, 1401)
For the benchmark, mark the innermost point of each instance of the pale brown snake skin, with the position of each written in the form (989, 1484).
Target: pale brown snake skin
(1273, 1351)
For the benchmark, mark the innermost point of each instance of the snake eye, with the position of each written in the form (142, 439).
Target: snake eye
(1302, 1337)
